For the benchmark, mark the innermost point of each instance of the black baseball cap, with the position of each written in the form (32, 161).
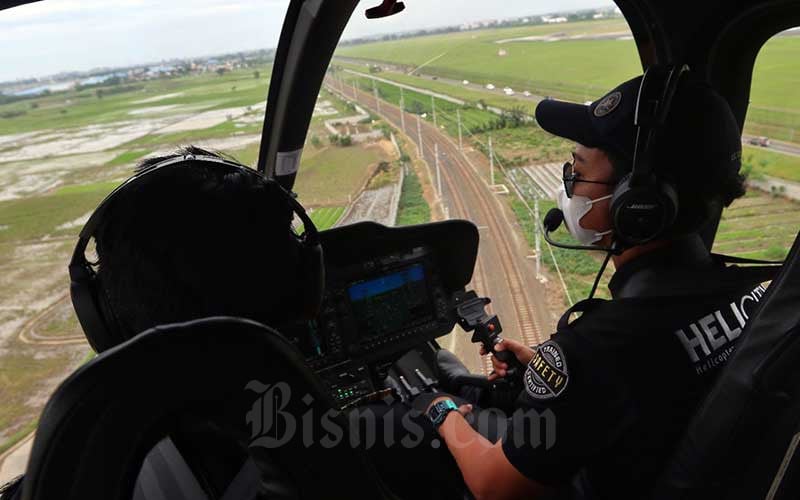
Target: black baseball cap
(700, 128)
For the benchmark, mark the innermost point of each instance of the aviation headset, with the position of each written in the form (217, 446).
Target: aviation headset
(91, 301)
(644, 206)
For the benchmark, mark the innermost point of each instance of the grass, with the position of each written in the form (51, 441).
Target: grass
(412, 209)
(330, 175)
(576, 70)
(527, 146)
(74, 108)
(128, 157)
(20, 377)
(326, 217)
(766, 162)
(34, 217)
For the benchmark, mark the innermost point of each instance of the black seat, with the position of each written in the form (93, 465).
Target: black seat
(101, 422)
(743, 441)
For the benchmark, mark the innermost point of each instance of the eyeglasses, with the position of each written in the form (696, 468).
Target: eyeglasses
(570, 178)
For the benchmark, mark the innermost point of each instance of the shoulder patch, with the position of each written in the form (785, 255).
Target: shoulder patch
(608, 104)
(546, 376)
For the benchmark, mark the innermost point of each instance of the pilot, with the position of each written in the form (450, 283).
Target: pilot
(609, 395)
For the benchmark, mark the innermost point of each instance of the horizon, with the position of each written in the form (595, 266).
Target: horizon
(72, 27)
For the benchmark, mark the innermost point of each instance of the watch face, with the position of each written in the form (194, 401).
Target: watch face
(439, 411)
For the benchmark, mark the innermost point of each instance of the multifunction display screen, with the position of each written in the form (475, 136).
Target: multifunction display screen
(392, 302)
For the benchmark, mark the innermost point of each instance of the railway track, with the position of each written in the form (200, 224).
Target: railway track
(500, 271)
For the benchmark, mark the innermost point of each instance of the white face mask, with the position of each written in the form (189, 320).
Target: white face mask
(574, 209)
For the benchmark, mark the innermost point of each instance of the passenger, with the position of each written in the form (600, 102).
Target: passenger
(196, 240)
(196, 243)
(612, 391)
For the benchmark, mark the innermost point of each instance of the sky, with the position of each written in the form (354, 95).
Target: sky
(63, 35)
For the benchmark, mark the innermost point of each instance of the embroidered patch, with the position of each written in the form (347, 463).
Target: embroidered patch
(546, 376)
(608, 104)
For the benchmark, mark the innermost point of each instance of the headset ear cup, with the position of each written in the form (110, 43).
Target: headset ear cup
(83, 291)
(643, 213)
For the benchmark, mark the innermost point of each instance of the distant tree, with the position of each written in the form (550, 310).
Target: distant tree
(256, 74)
(99, 93)
(416, 108)
(233, 89)
(221, 71)
(34, 105)
(345, 140)
(315, 141)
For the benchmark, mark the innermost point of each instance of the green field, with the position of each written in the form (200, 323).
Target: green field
(329, 175)
(412, 209)
(326, 217)
(762, 161)
(576, 70)
(79, 108)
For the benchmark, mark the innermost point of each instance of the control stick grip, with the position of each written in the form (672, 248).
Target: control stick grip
(508, 357)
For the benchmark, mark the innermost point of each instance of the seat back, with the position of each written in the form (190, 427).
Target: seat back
(101, 422)
(743, 441)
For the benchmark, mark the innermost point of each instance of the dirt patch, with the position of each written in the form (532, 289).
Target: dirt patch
(208, 119)
(152, 109)
(158, 98)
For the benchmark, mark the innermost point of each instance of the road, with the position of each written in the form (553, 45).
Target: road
(777, 146)
(502, 271)
(477, 87)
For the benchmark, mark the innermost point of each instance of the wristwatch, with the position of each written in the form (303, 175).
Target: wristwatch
(439, 410)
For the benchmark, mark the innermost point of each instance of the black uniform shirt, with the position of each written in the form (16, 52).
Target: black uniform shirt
(611, 393)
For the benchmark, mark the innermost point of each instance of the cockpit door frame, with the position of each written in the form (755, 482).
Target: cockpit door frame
(309, 36)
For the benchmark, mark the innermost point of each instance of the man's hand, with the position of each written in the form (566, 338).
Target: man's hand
(521, 351)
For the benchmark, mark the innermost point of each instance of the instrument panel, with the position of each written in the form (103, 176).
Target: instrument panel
(385, 297)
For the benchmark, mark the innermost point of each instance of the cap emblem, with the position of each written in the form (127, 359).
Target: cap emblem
(608, 104)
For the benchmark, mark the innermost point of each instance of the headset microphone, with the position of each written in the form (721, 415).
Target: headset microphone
(553, 220)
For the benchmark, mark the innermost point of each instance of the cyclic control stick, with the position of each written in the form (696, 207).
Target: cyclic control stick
(472, 316)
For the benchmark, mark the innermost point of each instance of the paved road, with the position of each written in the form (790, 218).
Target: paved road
(502, 272)
(777, 146)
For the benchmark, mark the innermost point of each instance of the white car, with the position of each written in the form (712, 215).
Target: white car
(489, 86)
(465, 82)
(508, 91)
(526, 94)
